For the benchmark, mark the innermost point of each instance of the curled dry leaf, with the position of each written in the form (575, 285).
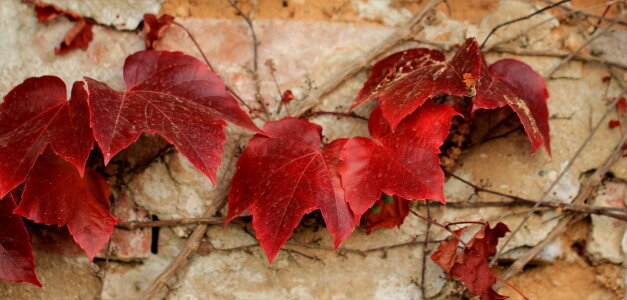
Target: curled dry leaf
(17, 263)
(405, 80)
(79, 36)
(170, 94)
(154, 28)
(282, 176)
(36, 114)
(56, 194)
(471, 265)
(391, 215)
(403, 163)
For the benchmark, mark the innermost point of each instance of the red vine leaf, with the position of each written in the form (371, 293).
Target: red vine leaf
(55, 194)
(283, 176)
(471, 266)
(170, 94)
(79, 36)
(404, 162)
(35, 114)
(405, 80)
(153, 28)
(391, 214)
(515, 84)
(16, 253)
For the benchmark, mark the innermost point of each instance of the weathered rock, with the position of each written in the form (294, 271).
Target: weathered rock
(607, 233)
(119, 14)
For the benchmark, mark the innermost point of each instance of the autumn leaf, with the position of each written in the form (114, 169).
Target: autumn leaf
(56, 194)
(285, 175)
(391, 214)
(17, 263)
(35, 114)
(79, 36)
(471, 265)
(170, 94)
(405, 80)
(512, 83)
(403, 163)
(154, 28)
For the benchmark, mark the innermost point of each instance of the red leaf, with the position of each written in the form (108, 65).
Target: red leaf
(35, 114)
(405, 80)
(391, 215)
(78, 37)
(515, 84)
(170, 94)
(613, 124)
(471, 266)
(622, 106)
(17, 263)
(287, 96)
(153, 28)
(55, 194)
(404, 162)
(286, 175)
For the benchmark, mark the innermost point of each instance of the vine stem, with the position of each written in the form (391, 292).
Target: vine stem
(585, 14)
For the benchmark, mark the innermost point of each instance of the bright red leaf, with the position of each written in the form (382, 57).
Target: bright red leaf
(56, 194)
(405, 80)
(79, 36)
(153, 28)
(403, 163)
(35, 114)
(17, 263)
(391, 214)
(286, 175)
(170, 94)
(515, 84)
(471, 265)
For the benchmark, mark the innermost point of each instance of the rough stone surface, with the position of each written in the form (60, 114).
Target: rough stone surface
(607, 233)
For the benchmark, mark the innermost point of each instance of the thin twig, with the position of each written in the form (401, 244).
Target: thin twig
(424, 252)
(249, 21)
(131, 225)
(412, 27)
(529, 16)
(445, 227)
(584, 45)
(335, 113)
(585, 14)
(512, 287)
(550, 53)
(591, 185)
(554, 183)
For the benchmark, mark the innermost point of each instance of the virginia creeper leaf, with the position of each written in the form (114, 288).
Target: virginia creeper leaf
(153, 28)
(403, 163)
(46, 12)
(56, 194)
(391, 215)
(471, 266)
(405, 80)
(515, 84)
(35, 114)
(170, 94)
(17, 263)
(285, 175)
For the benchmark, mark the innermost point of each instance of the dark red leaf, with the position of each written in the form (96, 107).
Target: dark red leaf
(286, 175)
(405, 80)
(78, 37)
(287, 96)
(55, 194)
(403, 163)
(153, 28)
(391, 215)
(35, 114)
(170, 94)
(613, 124)
(471, 266)
(515, 84)
(17, 263)
(46, 12)
(622, 106)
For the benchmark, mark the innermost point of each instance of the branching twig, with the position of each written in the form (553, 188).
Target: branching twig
(585, 14)
(554, 183)
(549, 53)
(529, 16)
(412, 27)
(424, 253)
(584, 45)
(335, 113)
